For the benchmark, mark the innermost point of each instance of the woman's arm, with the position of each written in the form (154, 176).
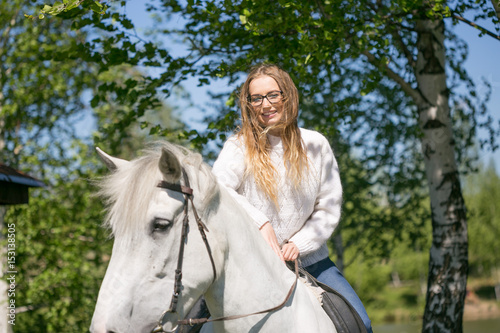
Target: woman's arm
(326, 215)
(229, 168)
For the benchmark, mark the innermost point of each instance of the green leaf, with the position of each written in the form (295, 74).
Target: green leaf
(98, 7)
(202, 82)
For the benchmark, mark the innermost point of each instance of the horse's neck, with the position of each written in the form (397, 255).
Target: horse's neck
(252, 273)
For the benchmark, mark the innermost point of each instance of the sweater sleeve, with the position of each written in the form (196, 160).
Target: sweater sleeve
(326, 215)
(229, 169)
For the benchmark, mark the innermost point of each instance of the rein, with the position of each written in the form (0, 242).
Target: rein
(188, 197)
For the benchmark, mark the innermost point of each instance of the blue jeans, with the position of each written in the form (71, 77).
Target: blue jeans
(326, 272)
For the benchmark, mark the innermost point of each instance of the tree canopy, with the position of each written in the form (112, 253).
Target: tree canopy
(380, 78)
(46, 90)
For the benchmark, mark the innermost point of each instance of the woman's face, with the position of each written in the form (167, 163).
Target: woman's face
(268, 113)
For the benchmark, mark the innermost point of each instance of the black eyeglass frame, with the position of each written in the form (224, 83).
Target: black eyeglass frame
(265, 96)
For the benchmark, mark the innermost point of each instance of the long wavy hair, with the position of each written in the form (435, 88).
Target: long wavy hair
(253, 134)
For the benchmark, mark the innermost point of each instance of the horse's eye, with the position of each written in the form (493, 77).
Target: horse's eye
(161, 224)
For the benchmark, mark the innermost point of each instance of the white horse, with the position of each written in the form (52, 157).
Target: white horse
(146, 222)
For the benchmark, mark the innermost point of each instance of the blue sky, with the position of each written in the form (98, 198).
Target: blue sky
(482, 62)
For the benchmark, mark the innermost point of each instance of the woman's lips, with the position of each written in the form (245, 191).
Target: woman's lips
(269, 114)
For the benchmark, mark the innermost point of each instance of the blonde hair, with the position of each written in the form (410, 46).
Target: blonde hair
(254, 136)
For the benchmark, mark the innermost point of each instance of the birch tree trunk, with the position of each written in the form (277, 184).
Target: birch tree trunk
(448, 264)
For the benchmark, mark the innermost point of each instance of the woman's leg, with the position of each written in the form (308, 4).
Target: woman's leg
(326, 272)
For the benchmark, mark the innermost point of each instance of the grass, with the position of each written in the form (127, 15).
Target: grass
(406, 303)
(396, 304)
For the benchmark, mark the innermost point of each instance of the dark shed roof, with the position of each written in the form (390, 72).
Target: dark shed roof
(14, 185)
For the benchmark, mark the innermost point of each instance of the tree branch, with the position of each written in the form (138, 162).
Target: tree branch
(413, 93)
(477, 26)
(28, 308)
(397, 38)
(4, 38)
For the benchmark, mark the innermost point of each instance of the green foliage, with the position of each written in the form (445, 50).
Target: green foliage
(61, 249)
(59, 8)
(403, 304)
(341, 65)
(118, 132)
(482, 195)
(394, 244)
(46, 80)
(368, 278)
(410, 264)
(40, 85)
(391, 285)
(354, 64)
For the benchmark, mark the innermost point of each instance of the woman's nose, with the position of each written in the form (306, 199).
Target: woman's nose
(266, 103)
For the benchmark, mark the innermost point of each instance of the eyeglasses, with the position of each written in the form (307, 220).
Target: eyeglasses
(273, 97)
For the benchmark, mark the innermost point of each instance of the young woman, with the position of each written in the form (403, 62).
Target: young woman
(286, 177)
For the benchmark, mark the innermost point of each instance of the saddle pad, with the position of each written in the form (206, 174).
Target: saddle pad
(343, 315)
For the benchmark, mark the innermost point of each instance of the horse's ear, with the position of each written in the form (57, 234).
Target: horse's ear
(112, 163)
(169, 166)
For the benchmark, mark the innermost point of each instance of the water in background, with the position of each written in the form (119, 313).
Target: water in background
(476, 326)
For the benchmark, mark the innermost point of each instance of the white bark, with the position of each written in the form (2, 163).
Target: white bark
(448, 262)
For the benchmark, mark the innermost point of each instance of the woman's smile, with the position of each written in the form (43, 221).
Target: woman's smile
(269, 114)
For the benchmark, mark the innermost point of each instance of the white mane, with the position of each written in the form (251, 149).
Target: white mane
(130, 188)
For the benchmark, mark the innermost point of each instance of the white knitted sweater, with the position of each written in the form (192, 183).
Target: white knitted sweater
(306, 216)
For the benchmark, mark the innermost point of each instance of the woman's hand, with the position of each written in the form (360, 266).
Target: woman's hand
(267, 232)
(290, 251)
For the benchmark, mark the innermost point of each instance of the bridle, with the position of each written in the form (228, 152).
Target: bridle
(188, 197)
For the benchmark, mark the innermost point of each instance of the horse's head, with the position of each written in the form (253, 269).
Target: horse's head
(146, 222)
